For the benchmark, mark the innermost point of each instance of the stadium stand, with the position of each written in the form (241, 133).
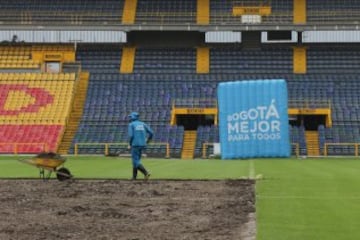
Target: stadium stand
(57, 12)
(206, 134)
(35, 106)
(157, 76)
(17, 58)
(162, 75)
(166, 12)
(333, 11)
(110, 12)
(222, 11)
(297, 136)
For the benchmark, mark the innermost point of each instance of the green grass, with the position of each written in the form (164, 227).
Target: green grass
(109, 167)
(308, 199)
(295, 199)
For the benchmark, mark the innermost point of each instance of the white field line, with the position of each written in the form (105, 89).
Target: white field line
(251, 169)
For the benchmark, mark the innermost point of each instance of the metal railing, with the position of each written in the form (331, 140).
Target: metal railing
(218, 17)
(355, 145)
(195, 103)
(212, 102)
(15, 146)
(107, 146)
(309, 103)
(206, 145)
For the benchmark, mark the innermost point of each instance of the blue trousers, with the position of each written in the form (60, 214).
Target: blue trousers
(136, 156)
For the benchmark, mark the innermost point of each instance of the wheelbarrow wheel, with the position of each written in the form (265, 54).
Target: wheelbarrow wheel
(63, 174)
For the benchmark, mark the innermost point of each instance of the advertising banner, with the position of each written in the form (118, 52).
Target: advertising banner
(253, 119)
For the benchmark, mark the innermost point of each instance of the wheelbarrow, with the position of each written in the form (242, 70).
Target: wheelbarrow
(47, 163)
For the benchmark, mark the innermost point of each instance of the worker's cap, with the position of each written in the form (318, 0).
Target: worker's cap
(133, 116)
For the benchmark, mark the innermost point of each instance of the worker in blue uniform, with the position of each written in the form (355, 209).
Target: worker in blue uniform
(139, 135)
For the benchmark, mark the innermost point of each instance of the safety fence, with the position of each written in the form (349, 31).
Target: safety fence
(295, 149)
(122, 145)
(354, 146)
(26, 147)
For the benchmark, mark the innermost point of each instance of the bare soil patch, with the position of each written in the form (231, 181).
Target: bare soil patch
(119, 209)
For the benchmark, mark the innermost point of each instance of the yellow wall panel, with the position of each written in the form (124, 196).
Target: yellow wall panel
(251, 10)
(299, 60)
(129, 12)
(127, 60)
(299, 12)
(203, 60)
(203, 12)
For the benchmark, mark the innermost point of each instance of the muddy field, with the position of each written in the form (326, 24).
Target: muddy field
(119, 209)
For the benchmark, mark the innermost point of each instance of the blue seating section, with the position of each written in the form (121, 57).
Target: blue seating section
(65, 12)
(166, 12)
(339, 134)
(221, 11)
(326, 60)
(206, 134)
(235, 61)
(162, 75)
(169, 12)
(333, 11)
(115, 132)
(297, 136)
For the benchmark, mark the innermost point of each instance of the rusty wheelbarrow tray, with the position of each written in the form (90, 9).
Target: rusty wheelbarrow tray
(49, 162)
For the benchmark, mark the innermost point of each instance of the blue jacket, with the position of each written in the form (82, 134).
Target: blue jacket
(139, 133)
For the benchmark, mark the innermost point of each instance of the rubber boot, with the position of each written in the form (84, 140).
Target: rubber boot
(134, 174)
(143, 170)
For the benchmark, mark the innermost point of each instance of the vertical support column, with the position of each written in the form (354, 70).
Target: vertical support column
(203, 12)
(173, 114)
(202, 60)
(299, 12)
(356, 149)
(299, 60)
(167, 150)
(129, 12)
(127, 60)
(106, 149)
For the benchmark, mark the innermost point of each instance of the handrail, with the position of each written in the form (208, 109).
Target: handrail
(70, 108)
(195, 102)
(293, 103)
(309, 103)
(356, 147)
(107, 146)
(76, 147)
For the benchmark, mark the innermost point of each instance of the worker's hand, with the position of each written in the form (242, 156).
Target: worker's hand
(129, 147)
